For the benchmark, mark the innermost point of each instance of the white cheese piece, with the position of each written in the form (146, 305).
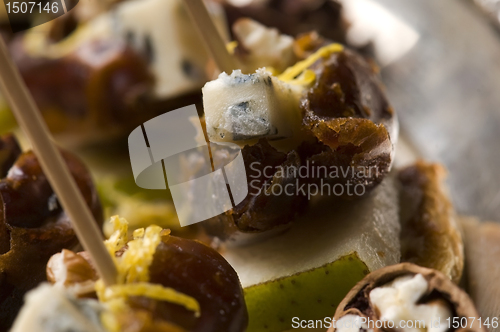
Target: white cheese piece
(240, 108)
(50, 309)
(265, 47)
(397, 302)
(165, 33)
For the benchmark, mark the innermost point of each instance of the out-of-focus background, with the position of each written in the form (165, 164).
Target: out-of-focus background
(445, 89)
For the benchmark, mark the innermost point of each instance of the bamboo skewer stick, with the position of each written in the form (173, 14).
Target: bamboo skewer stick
(53, 165)
(211, 37)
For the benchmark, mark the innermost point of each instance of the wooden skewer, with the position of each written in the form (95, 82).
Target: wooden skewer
(211, 37)
(53, 165)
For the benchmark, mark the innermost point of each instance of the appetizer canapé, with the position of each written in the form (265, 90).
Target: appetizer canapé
(97, 76)
(326, 112)
(165, 283)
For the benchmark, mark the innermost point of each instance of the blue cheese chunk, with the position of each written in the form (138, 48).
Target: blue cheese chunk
(241, 108)
(398, 302)
(163, 31)
(51, 309)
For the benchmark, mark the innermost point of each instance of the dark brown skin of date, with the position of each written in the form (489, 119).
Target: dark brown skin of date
(346, 111)
(199, 271)
(33, 227)
(9, 151)
(260, 211)
(100, 85)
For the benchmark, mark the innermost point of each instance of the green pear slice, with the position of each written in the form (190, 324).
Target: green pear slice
(307, 271)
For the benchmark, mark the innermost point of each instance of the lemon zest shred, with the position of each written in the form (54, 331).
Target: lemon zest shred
(138, 233)
(108, 318)
(291, 72)
(231, 46)
(118, 238)
(306, 78)
(135, 262)
(153, 291)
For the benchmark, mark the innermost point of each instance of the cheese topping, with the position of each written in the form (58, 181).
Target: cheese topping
(51, 309)
(398, 300)
(241, 108)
